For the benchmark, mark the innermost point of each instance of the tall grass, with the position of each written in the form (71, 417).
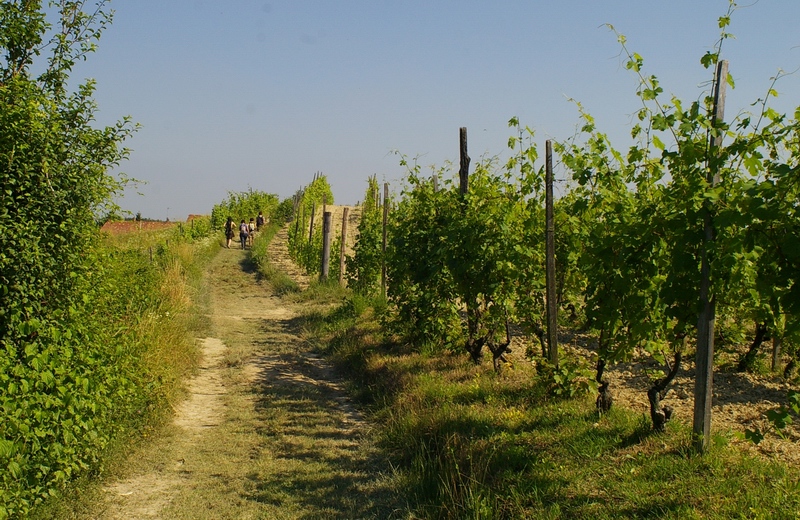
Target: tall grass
(170, 328)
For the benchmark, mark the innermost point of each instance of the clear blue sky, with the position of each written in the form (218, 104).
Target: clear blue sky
(263, 94)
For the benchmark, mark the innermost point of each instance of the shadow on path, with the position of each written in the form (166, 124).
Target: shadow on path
(318, 438)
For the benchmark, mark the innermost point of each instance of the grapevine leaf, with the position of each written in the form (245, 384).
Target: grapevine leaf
(754, 436)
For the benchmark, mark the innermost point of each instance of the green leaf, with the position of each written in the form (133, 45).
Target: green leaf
(753, 436)
(709, 59)
(6, 448)
(780, 418)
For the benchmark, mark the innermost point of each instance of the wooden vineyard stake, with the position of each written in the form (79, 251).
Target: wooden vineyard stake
(383, 244)
(463, 171)
(326, 245)
(704, 360)
(550, 252)
(776, 352)
(311, 227)
(343, 241)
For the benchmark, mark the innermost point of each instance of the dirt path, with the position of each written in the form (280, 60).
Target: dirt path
(279, 258)
(267, 430)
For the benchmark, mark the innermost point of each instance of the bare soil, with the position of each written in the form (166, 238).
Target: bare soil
(740, 400)
(129, 226)
(267, 429)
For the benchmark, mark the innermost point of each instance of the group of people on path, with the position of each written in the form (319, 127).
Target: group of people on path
(247, 230)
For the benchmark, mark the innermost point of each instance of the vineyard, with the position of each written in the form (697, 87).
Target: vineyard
(688, 239)
(674, 259)
(456, 266)
(465, 346)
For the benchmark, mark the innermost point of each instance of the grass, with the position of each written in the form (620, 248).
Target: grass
(474, 444)
(281, 452)
(461, 440)
(280, 282)
(282, 449)
(163, 334)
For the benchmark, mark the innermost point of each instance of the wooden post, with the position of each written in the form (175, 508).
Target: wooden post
(326, 245)
(463, 171)
(383, 244)
(435, 183)
(704, 360)
(550, 253)
(776, 352)
(302, 216)
(311, 227)
(345, 212)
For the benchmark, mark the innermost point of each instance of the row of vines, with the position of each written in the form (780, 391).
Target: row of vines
(244, 206)
(465, 269)
(306, 229)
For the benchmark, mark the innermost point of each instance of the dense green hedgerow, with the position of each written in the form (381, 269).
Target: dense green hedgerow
(77, 320)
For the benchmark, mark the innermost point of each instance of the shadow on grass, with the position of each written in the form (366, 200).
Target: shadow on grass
(316, 437)
(248, 265)
(654, 506)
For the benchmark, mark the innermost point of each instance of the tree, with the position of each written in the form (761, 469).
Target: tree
(54, 164)
(55, 176)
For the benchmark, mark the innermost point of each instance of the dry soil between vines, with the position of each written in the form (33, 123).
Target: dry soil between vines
(740, 400)
(267, 429)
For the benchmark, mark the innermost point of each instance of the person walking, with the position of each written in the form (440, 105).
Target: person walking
(230, 228)
(243, 233)
(259, 221)
(251, 228)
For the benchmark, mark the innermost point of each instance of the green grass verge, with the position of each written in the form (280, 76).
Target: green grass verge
(473, 444)
(280, 282)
